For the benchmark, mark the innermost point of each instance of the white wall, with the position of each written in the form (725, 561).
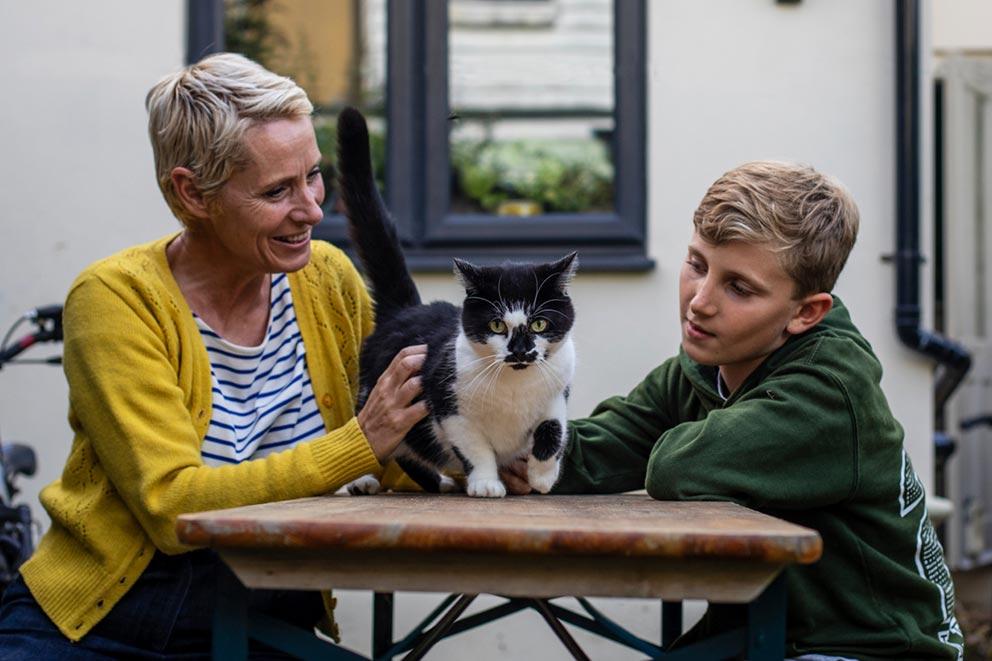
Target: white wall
(736, 80)
(961, 41)
(730, 80)
(76, 176)
(961, 25)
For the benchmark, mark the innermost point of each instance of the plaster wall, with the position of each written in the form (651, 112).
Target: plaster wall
(729, 81)
(77, 181)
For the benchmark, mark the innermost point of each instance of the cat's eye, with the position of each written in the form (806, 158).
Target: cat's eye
(497, 326)
(539, 325)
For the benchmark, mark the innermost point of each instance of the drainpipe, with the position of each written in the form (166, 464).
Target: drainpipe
(953, 358)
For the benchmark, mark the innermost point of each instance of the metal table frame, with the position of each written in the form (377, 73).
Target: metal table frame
(761, 635)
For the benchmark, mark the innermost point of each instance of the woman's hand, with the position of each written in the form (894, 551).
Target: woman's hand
(388, 414)
(514, 478)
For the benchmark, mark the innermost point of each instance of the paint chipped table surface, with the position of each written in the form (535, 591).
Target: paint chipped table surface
(536, 546)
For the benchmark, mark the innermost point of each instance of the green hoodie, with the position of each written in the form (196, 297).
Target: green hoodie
(808, 438)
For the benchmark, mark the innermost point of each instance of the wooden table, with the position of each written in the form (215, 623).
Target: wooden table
(520, 547)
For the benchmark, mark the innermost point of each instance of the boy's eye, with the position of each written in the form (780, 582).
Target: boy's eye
(695, 266)
(497, 326)
(539, 325)
(740, 290)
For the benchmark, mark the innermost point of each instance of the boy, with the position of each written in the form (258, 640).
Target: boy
(774, 403)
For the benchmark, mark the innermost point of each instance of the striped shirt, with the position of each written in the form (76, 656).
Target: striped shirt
(262, 398)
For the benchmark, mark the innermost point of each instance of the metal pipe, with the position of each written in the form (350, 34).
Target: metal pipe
(954, 358)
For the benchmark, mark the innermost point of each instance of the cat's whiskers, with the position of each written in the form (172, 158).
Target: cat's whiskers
(540, 286)
(471, 386)
(478, 360)
(542, 310)
(499, 311)
(542, 369)
(545, 365)
(544, 304)
(494, 379)
(537, 290)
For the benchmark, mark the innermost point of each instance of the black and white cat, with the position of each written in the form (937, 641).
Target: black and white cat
(498, 369)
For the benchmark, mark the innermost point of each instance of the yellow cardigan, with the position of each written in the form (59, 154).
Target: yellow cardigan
(139, 404)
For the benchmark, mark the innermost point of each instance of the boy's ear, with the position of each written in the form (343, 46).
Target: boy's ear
(184, 183)
(812, 310)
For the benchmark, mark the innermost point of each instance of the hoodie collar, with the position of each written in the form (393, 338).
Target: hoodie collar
(703, 377)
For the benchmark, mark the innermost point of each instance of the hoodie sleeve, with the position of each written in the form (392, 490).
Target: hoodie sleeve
(608, 452)
(790, 443)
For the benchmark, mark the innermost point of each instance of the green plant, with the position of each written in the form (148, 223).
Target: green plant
(327, 142)
(247, 30)
(560, 175)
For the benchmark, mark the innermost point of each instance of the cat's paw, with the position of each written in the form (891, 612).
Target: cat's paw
(447, 485)
(366, 485)
(485, 488)
(542, 479)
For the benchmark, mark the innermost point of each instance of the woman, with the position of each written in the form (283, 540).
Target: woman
(213, 368)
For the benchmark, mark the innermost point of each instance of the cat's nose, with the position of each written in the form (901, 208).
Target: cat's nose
(521, 357)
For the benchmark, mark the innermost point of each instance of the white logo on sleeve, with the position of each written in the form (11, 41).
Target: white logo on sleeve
(929, 553)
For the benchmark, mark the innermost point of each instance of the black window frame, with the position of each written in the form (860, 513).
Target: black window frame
(417, 165)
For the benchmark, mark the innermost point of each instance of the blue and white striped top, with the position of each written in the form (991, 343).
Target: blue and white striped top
(262, 398)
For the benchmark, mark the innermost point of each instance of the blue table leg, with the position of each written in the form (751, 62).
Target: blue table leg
(766, 623)
(671, 622)
(230, 635)
(382, 624)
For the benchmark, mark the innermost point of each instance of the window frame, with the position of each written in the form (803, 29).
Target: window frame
(418, 168)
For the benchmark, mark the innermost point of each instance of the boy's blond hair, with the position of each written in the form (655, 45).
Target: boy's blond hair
(806, 217)
(197, 118)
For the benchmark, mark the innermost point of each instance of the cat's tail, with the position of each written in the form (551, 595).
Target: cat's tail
(371, 229)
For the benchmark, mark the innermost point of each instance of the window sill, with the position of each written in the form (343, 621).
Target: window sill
(589, 261)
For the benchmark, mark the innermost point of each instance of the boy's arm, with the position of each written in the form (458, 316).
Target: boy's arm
(608, 451)
(790, 443)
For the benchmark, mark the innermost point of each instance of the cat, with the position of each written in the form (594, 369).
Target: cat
(498, 369)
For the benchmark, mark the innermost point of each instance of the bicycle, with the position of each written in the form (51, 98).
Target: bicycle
(18, 459)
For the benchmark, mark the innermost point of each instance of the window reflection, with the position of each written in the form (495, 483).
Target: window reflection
(334, 49)
(530, 84)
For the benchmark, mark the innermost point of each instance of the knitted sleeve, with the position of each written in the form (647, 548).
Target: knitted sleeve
(127, 361)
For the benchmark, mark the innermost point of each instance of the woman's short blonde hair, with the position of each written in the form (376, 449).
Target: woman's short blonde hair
(807, 218)
(198, 116)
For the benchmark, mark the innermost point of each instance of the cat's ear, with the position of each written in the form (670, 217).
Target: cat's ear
(468, 275)
(565, 269)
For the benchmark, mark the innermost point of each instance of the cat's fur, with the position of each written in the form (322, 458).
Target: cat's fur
(493, 396)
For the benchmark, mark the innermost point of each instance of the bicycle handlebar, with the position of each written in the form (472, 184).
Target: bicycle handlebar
(48, 319)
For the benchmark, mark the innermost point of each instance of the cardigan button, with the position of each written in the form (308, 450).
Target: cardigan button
(327, 400)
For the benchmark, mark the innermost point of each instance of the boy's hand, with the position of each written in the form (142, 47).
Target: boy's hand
(514, 477)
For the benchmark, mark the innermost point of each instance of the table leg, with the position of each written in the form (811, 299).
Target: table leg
(541, 606)
(671, 622)
(438, 630)
(766, 623)
(382, 624)
(230, 625)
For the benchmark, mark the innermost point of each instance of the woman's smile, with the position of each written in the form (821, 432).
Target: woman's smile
(294, 239)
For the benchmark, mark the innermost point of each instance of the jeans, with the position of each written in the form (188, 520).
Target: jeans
(167, 614)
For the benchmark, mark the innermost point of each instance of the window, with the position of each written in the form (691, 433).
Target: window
(501, 128)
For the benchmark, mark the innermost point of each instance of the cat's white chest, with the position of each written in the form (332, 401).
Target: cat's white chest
(503, 405)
